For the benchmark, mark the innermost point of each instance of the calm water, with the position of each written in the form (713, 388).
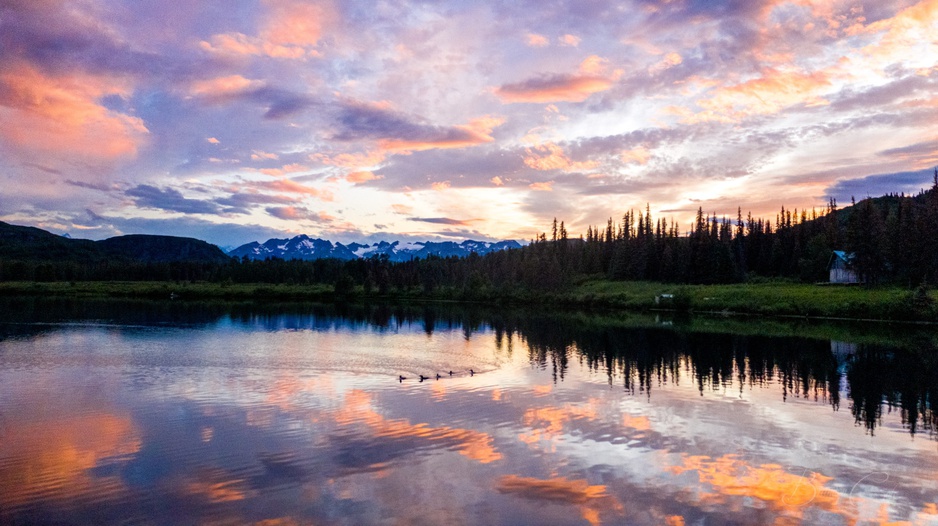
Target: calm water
(183, 414)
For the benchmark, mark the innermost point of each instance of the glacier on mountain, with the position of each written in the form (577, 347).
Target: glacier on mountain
(305, 248)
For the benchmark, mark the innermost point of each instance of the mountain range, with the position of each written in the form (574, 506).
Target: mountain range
(306, 248)
(25, 243)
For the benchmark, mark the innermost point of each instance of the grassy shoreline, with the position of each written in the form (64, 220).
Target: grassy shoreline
(771, 299)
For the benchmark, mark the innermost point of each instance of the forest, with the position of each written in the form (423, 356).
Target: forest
(892, 238)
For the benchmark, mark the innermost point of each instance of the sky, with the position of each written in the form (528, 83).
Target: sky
(235, 120)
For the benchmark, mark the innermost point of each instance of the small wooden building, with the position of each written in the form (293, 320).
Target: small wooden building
(841, 268)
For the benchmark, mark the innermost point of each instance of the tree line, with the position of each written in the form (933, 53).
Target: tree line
(893, 239)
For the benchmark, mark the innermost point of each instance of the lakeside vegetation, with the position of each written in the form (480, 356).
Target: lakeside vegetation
(773, 298)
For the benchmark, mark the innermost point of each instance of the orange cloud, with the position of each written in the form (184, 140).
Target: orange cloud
(478, 131)
(912, 28)
(351, 160)
(639, 155)
(60, 116)
(297, 23)
(570, 40)
(440, 185)
(549, 156)
(286, 169)
(772, 92)
(291, 30)
(542, 187)
(259, 155)
(362, 177)
(241, 44)
(223, 86)
(591, 78)
(497, 181)
(213, 140)
(535, 40)
(287, 186)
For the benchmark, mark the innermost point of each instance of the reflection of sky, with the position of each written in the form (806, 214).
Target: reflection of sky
(304, 420)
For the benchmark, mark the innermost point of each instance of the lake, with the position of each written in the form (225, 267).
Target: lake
(187, 413)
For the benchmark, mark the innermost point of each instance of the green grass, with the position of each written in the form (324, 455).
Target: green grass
(168, 290)
(762, 299)
(768, 299)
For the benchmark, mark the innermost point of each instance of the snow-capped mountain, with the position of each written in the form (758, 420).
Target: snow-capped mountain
(304, 247)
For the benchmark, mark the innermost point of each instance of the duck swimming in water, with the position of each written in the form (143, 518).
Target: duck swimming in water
(401, 378)
(471, 372)
(422, 377)
(438, 376)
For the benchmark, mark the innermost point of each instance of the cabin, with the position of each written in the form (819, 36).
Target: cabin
(841, 268)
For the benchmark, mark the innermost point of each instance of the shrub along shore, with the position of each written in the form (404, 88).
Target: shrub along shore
(771, 298)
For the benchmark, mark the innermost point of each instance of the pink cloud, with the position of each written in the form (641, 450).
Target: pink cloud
(591, 78)
(284, 170)
(298, 213)
(56, 115)
(361, 177)
(570, 40)
(549, 156)
(535, 40)
(220, 86)
(477, 131)
(547, 186)
(291, 30)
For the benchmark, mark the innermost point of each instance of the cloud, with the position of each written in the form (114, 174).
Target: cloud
(560, 87)
(569, 40)
(62, 115)
(169, 199)
(773, 91)
(395, 131)
(441, 221)
(296, 213)
(361, 177)
(879, 184)
(287, 186)
(549, 156)
(221, 86)
(547, 186)
(535, 40)
(284, 170)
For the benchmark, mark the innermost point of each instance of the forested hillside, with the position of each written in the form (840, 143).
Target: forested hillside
(893, 238)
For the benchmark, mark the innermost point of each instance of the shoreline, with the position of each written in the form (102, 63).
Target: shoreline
(763, 300)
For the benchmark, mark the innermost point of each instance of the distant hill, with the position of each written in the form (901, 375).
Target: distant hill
(305, 248)
(25, 243)
(161, 249)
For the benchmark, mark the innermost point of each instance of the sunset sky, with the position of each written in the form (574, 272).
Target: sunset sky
(234, 121)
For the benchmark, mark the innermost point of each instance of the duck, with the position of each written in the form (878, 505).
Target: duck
(401, 378)
(438, 376)
(422, 377)
(471, 372)
(451, 373)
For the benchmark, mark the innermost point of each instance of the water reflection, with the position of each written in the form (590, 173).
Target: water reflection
(207, 413)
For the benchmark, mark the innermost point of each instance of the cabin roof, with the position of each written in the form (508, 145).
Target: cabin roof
(846, 257)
